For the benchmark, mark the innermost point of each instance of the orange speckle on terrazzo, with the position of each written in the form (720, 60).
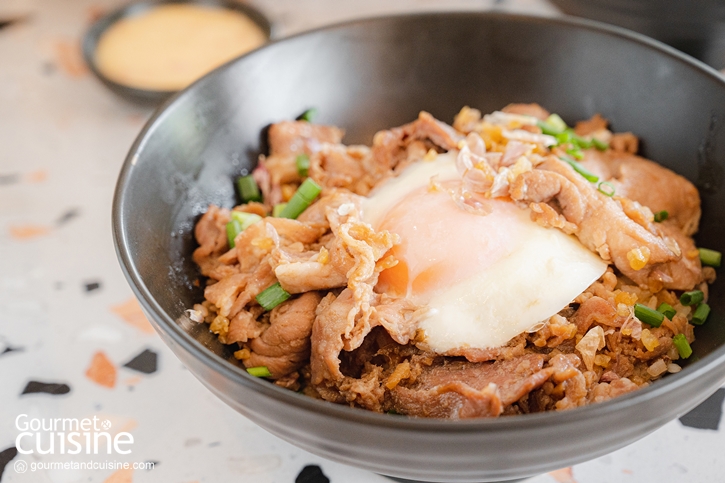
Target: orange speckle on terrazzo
(37, 176)
(26, 232)
(121, 476)
(130, 311)
(102, 371)
(129, 426)
(564, 475)
(132, 381)
(69, 57)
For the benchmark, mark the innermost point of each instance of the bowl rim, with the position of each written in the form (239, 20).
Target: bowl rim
(694, 370)
(95, 31)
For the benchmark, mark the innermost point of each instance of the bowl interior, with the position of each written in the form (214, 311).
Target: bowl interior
(696, 27)
(150, 96)
(373, 74)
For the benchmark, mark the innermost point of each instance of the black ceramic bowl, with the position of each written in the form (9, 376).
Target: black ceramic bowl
(696, 27)
(149, 96)
(372, 74)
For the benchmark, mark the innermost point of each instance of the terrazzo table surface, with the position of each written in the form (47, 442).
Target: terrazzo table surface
(73, 342)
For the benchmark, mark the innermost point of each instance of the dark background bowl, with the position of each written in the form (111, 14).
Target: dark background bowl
(696, 27)
(150, 96)
(372, 74)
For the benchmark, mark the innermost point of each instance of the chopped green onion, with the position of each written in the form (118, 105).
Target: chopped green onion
(303, 197)
(234, 228)
(303, 164)
(278, 209)
(240, 221)
(581, 142)
(259, 371)
(272, 296)
(576, 153)
(683, 347)
(593, 178)
(710, 257)
(648, 316)
(692, 298)
(606, 188)
(246, 219)
(667, 310)
(564, 137)
(548, 128)
(308, 115)
(700, 315)
(248, 189)
(661, 216)
(555, 121)
(600, 145)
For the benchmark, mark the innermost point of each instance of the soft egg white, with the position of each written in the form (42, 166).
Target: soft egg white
(485, 279)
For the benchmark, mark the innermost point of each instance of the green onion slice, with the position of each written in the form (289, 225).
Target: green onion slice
(246, 219)
(259, 371)
(552, 129)
(564, 137)
(710, 257)
(683, 347)
(700, 315)
(600, 145)
(272, 296)
(661, 216)
(303, 197)
(606, 188)
(667, 310)
(308, 115)
(278, 209)
(648, 316)
(234, 228)
(248, 189)
(581, 142)
(303, 165)
(692, 298)
(556, 122)
(592, 178)
(576, 153)
(240, 221)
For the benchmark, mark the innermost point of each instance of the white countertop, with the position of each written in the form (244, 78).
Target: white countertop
(64, 301)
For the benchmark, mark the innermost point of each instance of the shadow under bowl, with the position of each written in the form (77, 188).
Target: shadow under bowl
(151, 96)
(372, 74)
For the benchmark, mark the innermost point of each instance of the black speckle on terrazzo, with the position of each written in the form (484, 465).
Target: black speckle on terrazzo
(707, 415)
(91, 286)
(10, 349)
(6, 456)
(8, 179)
(152, 462)
(145, 362)
(52, 388)
(48, 68)
(67, 216)
(312, 474)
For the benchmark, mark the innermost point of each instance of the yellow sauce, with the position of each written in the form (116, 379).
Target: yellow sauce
(170, 46)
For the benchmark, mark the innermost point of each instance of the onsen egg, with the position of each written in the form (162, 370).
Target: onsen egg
(484, 278)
